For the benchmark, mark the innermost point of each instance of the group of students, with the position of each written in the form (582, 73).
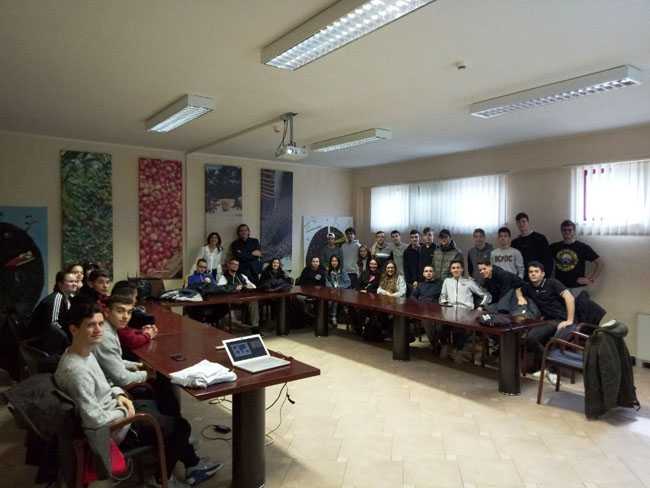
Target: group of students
(89, 330)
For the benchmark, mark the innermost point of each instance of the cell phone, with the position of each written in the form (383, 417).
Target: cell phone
(177, 357)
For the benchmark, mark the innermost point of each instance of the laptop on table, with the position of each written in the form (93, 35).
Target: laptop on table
(250, 354)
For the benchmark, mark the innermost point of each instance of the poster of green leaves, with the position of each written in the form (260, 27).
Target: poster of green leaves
(86, 202)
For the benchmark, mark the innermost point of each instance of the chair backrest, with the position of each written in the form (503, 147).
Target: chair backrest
(32, 357)
(148, 287)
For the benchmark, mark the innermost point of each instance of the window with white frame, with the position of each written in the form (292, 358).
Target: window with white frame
(459, 205)
(611, 198)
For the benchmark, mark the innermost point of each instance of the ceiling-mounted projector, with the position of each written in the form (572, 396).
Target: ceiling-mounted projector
(288, 149)
(291, 152)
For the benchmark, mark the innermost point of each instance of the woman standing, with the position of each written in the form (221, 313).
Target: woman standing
(364, 258)
(336, 278)
(213, 253)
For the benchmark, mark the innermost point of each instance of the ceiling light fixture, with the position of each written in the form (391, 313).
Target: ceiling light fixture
(600, 82)
(334, 27)
(352, 140)
(182, 111)
(288, 149)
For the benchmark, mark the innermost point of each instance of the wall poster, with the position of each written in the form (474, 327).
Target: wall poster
(223, 201)
(315, 230)
(276, 196)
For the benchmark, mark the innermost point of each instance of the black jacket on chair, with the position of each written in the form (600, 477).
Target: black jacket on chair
(608, 375)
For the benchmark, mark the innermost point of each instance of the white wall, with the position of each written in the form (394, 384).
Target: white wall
(29, 176)
(539, 184)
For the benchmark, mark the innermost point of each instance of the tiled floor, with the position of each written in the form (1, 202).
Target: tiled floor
(369, 421)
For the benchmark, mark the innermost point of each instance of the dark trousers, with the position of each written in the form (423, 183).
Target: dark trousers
(538, 337)
(176, 434)
(354, 280)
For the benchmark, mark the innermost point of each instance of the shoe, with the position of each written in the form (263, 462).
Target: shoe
(205, 469)
(551, 377)
(172, 482)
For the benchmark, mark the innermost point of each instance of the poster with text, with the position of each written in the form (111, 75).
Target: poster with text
(223, 201)
(23, 258)
(87, 206)
(315, 230)
(160, 212)
(276, 195)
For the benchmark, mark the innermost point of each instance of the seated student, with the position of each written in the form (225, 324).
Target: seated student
(444, 254)
(119, 372)
(479, 252)
(233, 281)
(556, 304)
(132, 337)
(336, 278)
(505, 256)
(381, 250)
(571, 257)
(428, 291)
(213, 255)
(460, 291)
(501, 286)
(99, 404)
(201, 274)
(313, 275)
(369, 280)
(274, 277)
(391, 283)
(139, 318)
(99, 285)
(78, 270)
(46, 322)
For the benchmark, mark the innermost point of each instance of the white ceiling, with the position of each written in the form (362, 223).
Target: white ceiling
(96, 70)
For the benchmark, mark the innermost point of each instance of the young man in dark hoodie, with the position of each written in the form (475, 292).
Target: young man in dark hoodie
(99, 287)
(412, 262)
(313, 275)
(234, 281)
(532, 245)
(501, 285)
(428, 291)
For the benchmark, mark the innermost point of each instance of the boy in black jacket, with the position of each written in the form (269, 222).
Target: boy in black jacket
(412, 262)
(313, 275)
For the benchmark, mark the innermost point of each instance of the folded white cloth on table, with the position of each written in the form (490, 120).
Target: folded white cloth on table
(202, 375)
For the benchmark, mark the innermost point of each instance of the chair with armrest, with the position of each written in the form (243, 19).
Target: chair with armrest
(35, 359)
(562, 354)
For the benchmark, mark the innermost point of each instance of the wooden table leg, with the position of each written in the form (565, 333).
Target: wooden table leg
(321, 322)
(401, 348)
(282, 327)
(248, 461)
(509, 374)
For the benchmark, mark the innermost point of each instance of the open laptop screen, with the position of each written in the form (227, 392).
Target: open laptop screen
(246, 348)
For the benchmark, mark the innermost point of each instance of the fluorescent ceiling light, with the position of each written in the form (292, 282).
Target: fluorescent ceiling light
(182, 111)
(334, 27)
(352, 140)
(600, 82)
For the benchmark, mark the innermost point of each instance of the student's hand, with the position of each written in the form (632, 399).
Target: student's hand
(563, 324)
(363, 291)
(583, 280)
(522, 301)
(238, 288)
(127, 404)
(415, 284)
(257, 253)
(207, 279)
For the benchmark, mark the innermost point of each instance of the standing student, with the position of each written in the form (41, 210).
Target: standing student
(99, 404)
(392, 282)
(412, 261)
(213, 254)
(427, 249)
(248, 253)
(571, 257)
(505, 256)
(336, 278)
(444, 254)
(350, 254)
(481, 250)
(363, 258)
(398, 248)
(330, 249)
(234, 281)
(381, 250)
(532, 245)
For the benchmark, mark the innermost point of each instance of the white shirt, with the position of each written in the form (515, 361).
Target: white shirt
(214, 259)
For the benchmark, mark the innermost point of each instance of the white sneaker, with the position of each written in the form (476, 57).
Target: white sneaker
(172, 482)
(551, 377)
